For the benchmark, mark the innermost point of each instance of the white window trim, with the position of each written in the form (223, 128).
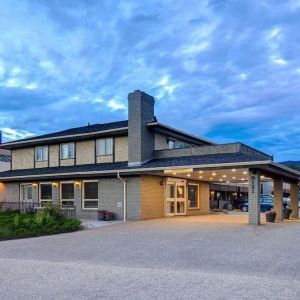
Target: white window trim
(97, 147)
(35, 153)
(40, 192)
(198, 196)
(24, 184)
(60, 150)
(83, 199)
(60, 192)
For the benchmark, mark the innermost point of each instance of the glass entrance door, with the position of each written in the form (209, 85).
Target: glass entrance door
(175, 197)
(26, 192)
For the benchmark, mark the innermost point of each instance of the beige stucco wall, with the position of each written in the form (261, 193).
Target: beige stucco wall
(23, 158)
(67, 162)
(121, 148)
(152, 197)
(12, 192)
(104, 159)
(53, 155)
(41, 164)
(160, 141)
(85, 152)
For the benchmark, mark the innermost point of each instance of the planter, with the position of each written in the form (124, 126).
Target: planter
(287, 213)
(108, 216)
(101, 215)
(270, 218)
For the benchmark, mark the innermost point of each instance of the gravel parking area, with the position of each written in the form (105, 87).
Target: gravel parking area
(201, 257)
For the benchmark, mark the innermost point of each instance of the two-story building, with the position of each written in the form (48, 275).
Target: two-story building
(138, 169)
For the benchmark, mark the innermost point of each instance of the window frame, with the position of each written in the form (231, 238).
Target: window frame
(60, 193)
(83, 195)
(61, 152)
(174, 143)
(198, 195)
(98, 147)
(35, 153)
(21, 192)
(40, 193)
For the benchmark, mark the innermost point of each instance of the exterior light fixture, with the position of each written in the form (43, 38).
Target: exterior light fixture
(77, 183)
(34, 185)
(54, 184)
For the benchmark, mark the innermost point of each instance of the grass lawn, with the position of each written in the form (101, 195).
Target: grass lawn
(19, 225)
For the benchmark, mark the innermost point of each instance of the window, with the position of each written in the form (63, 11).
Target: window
(67, 193)
(171, 144)
(104, 147)
(90, 194)
(67, 151)
(46, 193)
(193, 195)
(41, 153)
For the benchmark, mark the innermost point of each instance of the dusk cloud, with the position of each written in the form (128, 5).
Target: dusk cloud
(225, 70)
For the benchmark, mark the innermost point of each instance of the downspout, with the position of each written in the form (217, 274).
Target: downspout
(124, 196)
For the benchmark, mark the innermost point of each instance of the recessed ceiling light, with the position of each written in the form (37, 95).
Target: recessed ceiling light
(245, 172)
(174, 173)
(233, 170)
(210, 178)
(220, 179)
(233, 177)
(201, 172)
(200, 177)
(213, 174)
(224, 176)
(262, 176)
(242, 179)
(188, 175)
(227, 181)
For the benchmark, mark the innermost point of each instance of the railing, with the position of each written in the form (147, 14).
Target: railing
(68, 211)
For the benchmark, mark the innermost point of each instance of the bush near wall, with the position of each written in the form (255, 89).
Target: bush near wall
(20, 225)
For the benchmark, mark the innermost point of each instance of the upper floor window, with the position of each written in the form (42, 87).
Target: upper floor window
(41, 153)
(104, 146)
(171, 144)
(67, 151)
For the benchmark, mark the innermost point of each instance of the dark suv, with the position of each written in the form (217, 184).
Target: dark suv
(266, 203)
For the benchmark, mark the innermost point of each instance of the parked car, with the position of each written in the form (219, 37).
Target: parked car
(266, 203)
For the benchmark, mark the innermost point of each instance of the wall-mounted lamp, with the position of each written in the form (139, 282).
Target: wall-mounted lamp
(34, 185)
(54, 184)
(77, 183)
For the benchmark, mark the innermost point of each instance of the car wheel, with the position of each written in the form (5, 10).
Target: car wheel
(244, 208)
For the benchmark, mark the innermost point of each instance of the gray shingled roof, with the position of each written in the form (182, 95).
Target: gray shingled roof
(4, 158)
(81, 130)
(155, 163)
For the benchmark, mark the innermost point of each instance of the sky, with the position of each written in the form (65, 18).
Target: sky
(225, 70)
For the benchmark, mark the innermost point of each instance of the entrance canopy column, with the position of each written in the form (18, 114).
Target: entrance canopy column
(278, 199)
(254, 197)
(294, 200)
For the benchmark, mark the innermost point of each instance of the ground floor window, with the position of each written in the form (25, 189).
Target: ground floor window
(193, 195)
(67, 193)
(45, 193)
(90, 194)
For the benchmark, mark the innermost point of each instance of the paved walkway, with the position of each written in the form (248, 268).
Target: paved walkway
(203, 257)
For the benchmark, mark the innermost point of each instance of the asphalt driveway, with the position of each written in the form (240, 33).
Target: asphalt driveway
(186, 257)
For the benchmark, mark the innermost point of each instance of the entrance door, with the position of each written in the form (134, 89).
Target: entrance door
(26, 193)
(175, 197)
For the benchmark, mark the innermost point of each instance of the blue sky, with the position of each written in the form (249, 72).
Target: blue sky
(225, 70)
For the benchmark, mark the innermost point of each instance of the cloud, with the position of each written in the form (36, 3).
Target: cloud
(227, 70)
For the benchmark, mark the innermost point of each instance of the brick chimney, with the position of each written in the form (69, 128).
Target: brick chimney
(140, 138)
